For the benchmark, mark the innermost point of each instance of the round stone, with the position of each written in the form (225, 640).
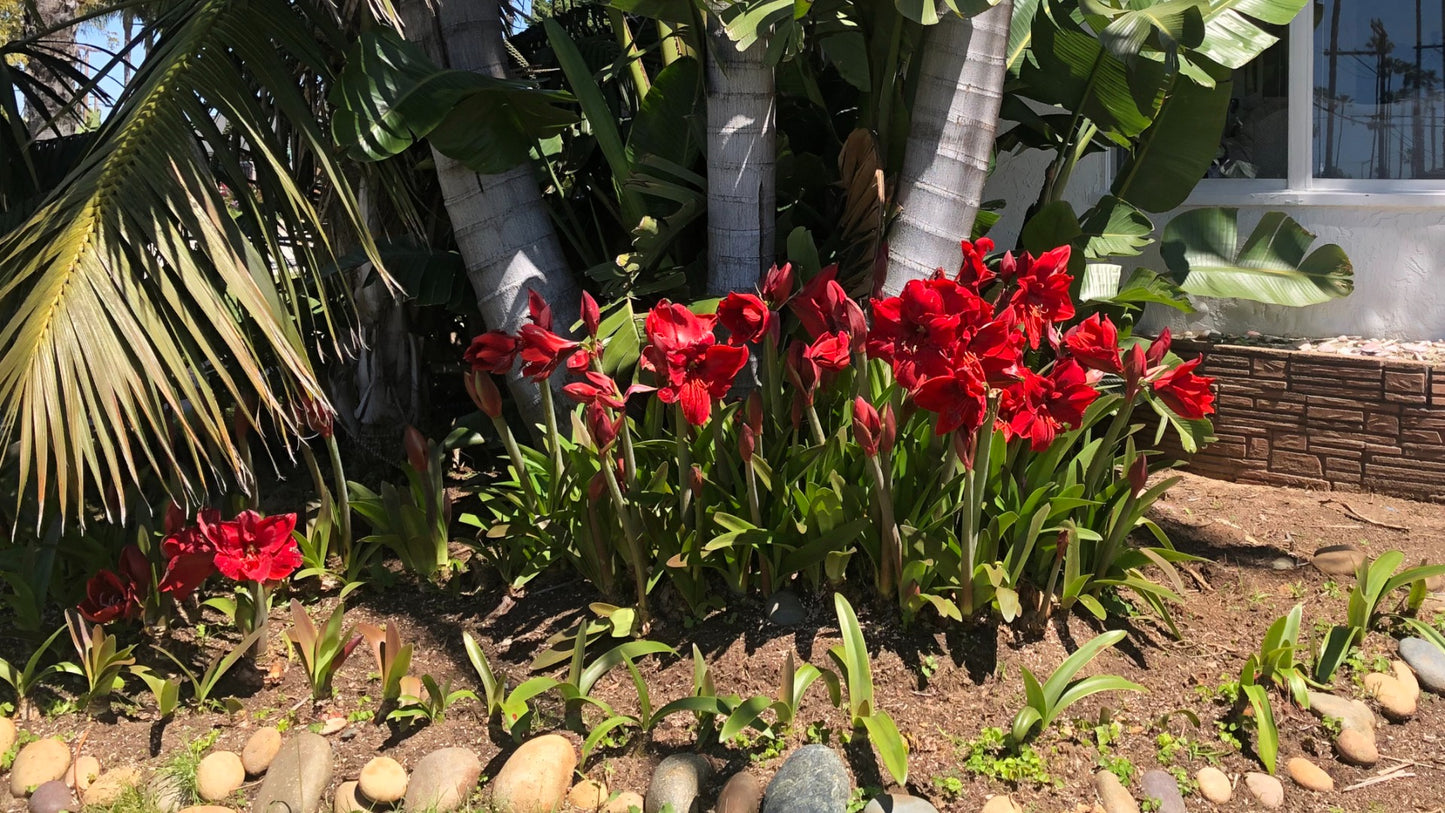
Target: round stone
(812, 780)
(82, 772)
(1352, 714)
(588, 794)
(676, 783)
(742, 793)
(1338, 560)
(37, 763)
(785, 610)
(106, 789)
(444, 780)
(298, 776)
(346, 800)
(903, 803)
(1428, 662)
(52, 797)
(1265, 789)
(1357, 747)
(261, 748)
(1309, 776)
(383, 781)
(1396, 700)
(1163, 790)
(624, 802)
(219, 775)
(1214, 785)
(536, 777)
(1002, 804)
(206, 809)
(1113, 795)
(7, 734)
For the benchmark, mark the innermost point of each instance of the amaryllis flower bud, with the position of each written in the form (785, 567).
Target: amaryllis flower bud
(867, 426)
(493, 351)
(483, 392)
(601, 424)
(317, 416)
(755, 411)
(745, 317)
(417, 452)
(1139, 474)
(695, 479)
(591, 314)
(778, 284)
(539, 311)
(889, 435)
(1135, 365)
(747, 443)
(1159, 349)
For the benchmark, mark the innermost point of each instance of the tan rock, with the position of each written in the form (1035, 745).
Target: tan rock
(106, 789)
(206, 809)
(742, 793)
(1338, 560)
(7, 734)
(623, 803)
(1265, 789)
(346, 800)
(1406, 676)
(1214, 785)
(37, 763)
(1113, 795)
(536, 777)
(1309, 776)
(1357, 747)
(219, 775)
(82, 772)
(260, 749)
(1002, 804)
(383, 781)
(1396, 700)
(588, 794)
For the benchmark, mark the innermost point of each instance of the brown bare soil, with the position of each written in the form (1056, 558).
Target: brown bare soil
(1258, 541)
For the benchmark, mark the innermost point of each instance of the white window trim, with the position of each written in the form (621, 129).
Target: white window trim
(1299, 188)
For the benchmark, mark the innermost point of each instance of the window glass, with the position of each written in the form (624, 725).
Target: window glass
(1255, 140)
(1379, 111)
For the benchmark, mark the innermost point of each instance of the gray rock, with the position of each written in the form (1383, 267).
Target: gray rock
(52, 797)
(899, 803)
(443, 780)
(813, 780)
(677, 781)
(1352, 714)
(1428, 662)
(298, 776)
(743, 793)
(1338, 560)
(1113, 795)
(1164, 790)
(785, 610)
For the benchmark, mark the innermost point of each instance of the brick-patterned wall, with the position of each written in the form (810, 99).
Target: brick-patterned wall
(1319, 420)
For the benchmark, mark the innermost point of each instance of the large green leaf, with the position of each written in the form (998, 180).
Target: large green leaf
(1114, 228)
(1174, 153)
(1200, 248)
(1169, 24)
(1232, 38)
(390, 95)
(666, 124)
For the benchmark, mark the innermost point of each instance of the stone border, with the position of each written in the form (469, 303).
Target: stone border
(1321, 420)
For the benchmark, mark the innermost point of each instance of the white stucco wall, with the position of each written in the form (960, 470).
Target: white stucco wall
(1396, 242)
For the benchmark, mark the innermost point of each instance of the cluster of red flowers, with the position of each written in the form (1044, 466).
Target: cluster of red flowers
(249, 548)
(951, 341)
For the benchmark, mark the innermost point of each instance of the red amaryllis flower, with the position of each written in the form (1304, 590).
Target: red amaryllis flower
(829, 351)
(745, 317)
(1094, 343)
(778, 285)
(542, 351)
(602, 424)
(599, 388)
(917, 331)
(867, 426)
(693, 369)
(108, 597)
(1038, 406)
(591, 315)
(539, 311)
(492, 352)
(1189, 395)
(973, 273)
(253, 548)
(958, 399)
(803, 372)
(1042, 296)
(190, 558)
(824, 307)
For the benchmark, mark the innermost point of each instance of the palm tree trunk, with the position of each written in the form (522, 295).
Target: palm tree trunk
(945, 164)
(500, 222)
(44, 15)
(741, 162)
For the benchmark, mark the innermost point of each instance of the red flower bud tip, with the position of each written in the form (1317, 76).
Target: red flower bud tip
(539, 311)
(747, 443)
(603, 427)
(591, 314)
(1135, 365)
(417, 451)
(483, 392)
(889, 434)
(695, 479)
(318, 416)
(778, 284)
(1139, 474)
(755, 412)
(1159, 349)
(867, 426)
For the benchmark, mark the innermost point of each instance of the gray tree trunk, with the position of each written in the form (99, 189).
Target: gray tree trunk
(741, 163)
(502, 228)
(955, 115)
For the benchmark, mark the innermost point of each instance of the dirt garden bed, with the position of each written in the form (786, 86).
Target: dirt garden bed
(943, 686)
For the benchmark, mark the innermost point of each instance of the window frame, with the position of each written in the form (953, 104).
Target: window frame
(1299, 188)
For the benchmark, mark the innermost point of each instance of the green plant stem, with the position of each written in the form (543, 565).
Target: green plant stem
(258, 616)
(816, 426)
(667, 38)
(554, 439)
(623, 32)
(1057, 176)
(890, 552)
(973, 500)
(634, 545)
(756, 514)
(340, 498)
(509, 441)
(1104, 455)
(684, 463)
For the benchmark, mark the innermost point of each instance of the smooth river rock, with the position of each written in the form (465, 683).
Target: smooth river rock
(52, 797)
(536, 777)
(1352, 714)
(589, 794)
(1113, 795)
(1000, 804)
(1309, 776)
(742, 793)
(346, 799)
(219, 775)
(261, 747)
(678, 781)
(1163, 788)
(82, 772)
(1338, 560)
(1214, 785)
(1265, 789)
(1397, 701)
(785, 610)
(444, 780)
(383, 781)
(7, 734)
(1357, 748)
(297, 777)
(625, 802)
(37, 763)
(903, 803)
(1428, 662)
(106, 789)
(812, 780)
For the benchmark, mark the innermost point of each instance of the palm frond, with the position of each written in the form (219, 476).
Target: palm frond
(176, 270)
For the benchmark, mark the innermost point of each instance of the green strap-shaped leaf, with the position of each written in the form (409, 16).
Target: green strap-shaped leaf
(1199, 248)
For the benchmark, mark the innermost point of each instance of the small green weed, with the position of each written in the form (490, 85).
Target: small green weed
(989, 756)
